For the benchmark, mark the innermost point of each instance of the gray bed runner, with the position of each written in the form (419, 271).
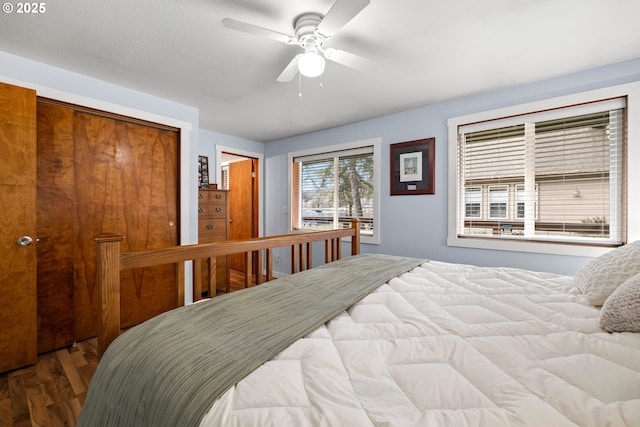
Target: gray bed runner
(169, 370)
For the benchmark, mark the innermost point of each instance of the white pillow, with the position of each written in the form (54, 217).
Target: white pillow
(601, 276)
(621, 311)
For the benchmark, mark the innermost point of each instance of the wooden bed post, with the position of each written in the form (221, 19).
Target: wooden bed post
(355, 240)
(108, 287)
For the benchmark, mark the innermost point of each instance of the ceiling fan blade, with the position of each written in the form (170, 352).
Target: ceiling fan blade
(348, 59)
(340, 13)
(290, 70)
(256, 30)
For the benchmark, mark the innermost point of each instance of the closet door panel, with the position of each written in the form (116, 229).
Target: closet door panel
(150, 199)
(55, 227)
(125, 182)
(17, 218)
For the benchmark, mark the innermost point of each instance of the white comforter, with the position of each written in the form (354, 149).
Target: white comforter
(450, 345)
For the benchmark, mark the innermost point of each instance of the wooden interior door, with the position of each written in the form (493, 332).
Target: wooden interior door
(243, 185)
(97, 174)
(56, 213)
(125, 182)
(18, 345)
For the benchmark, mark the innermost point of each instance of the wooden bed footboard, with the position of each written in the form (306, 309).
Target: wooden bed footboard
(110, 262)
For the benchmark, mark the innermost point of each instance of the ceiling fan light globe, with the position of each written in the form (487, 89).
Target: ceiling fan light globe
(311, 64)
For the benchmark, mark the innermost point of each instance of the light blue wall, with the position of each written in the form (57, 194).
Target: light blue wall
(417, 225)
(209, 140)
(15, 69)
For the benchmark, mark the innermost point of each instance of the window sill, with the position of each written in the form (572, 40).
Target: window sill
(531, 247)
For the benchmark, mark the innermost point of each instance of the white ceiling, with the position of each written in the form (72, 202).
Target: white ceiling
(423, 51)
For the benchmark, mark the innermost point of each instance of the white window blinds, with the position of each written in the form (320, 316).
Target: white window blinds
(555, 175)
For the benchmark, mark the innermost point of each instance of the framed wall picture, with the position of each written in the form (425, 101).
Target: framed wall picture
(413, 167)
(203, 172)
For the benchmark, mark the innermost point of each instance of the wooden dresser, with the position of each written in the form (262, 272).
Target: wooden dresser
(213, 226)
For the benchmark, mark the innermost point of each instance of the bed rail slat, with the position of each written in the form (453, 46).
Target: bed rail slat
(180, 279)
(248, 261)
(294, 259)
(269, 264)
(197, 279)
(259, 272)
(309, 256)
(302, 258)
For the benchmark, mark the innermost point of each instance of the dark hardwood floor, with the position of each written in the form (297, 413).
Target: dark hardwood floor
(51, 392)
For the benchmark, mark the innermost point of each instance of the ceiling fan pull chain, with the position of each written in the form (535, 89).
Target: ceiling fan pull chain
(299, 85)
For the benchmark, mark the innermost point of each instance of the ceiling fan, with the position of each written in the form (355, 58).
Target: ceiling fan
(311, 32)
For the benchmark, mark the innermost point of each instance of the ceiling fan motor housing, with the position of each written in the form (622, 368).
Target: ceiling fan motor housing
(305, 29)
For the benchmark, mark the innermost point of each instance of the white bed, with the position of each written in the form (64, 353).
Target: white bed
(450, 345)
(440, 345)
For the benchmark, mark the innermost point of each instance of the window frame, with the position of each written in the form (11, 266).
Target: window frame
(631, 205)
(374, 238)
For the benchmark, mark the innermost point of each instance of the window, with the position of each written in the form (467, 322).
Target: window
(551, 176)
(472, 202)
(520, 201)
(334, 185)
(498, 199)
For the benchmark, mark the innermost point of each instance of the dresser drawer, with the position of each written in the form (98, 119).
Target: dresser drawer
(212, 196)
(210, 210)
(212, 226)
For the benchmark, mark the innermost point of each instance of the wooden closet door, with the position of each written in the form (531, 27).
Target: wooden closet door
(125, 182)
(17, 218)
(56, 212)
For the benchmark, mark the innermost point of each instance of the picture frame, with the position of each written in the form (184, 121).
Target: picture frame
(203, 172)
(413, 167)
